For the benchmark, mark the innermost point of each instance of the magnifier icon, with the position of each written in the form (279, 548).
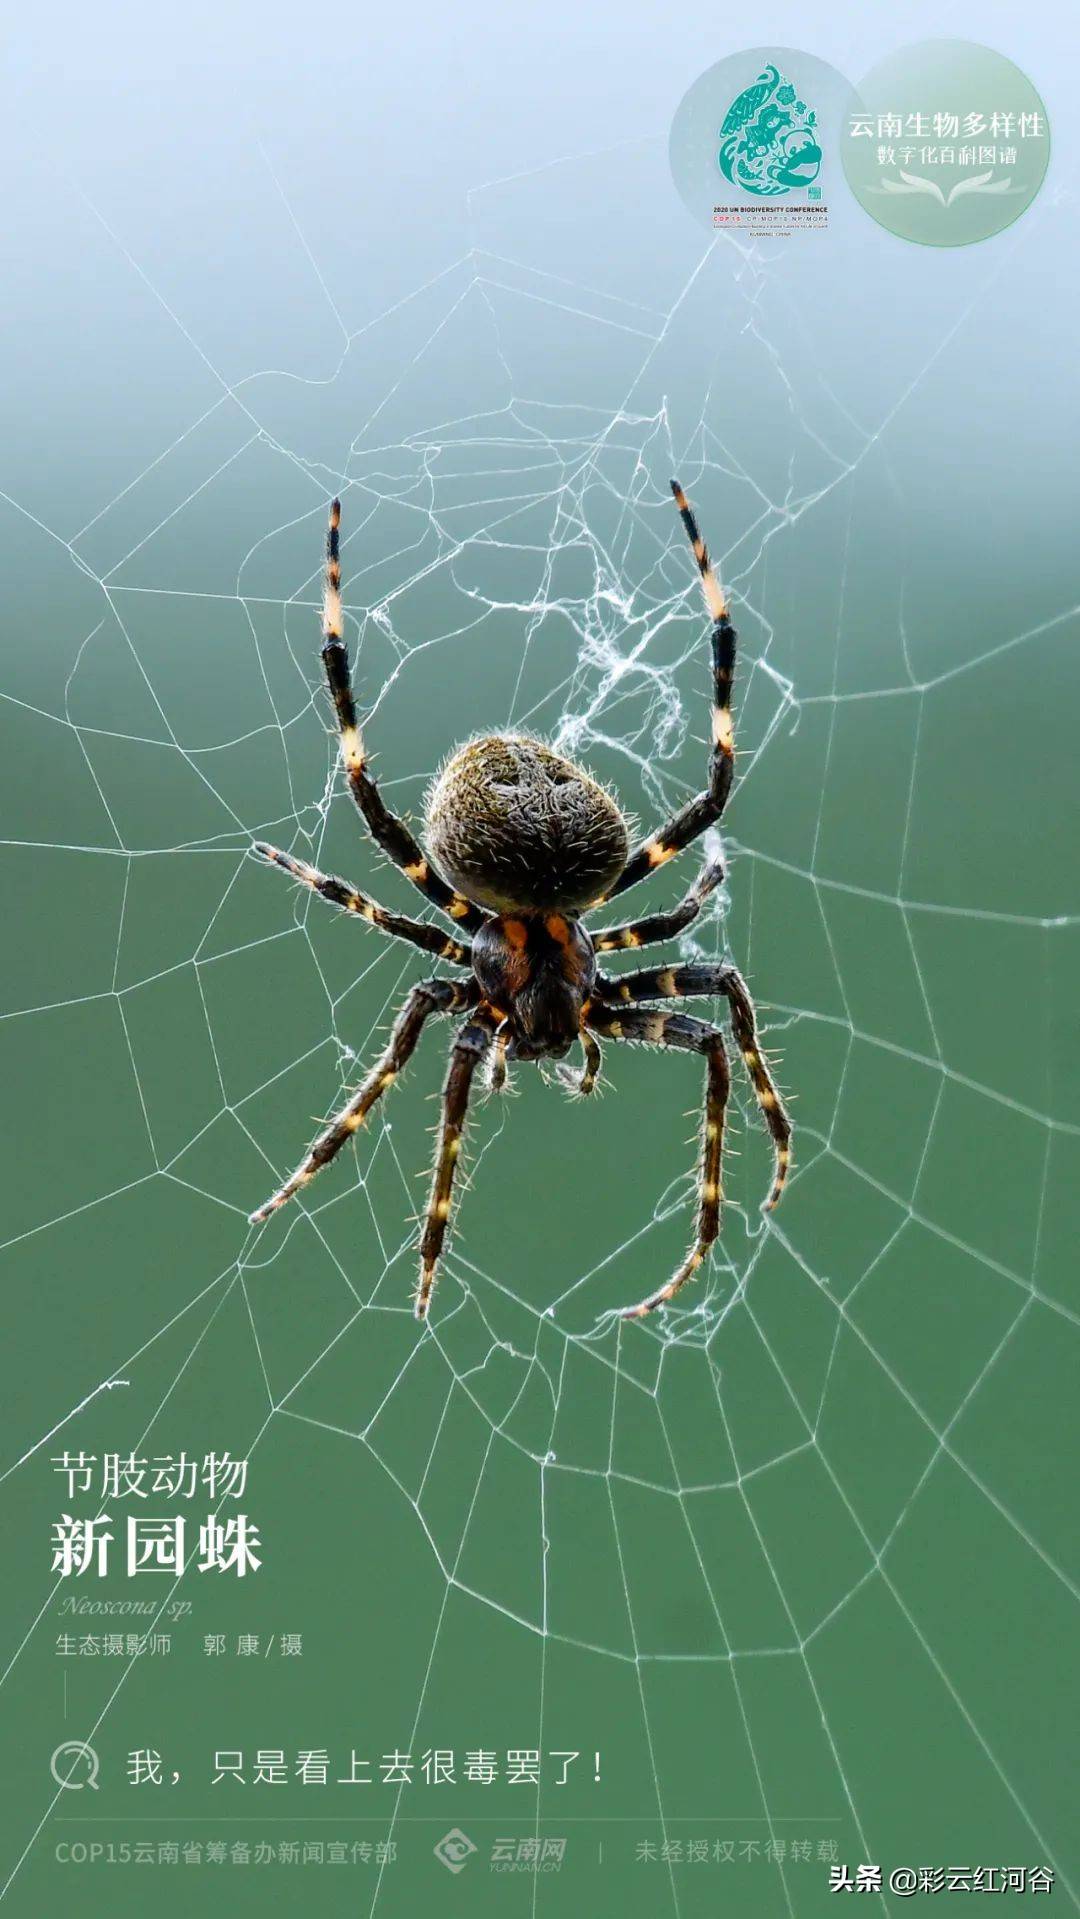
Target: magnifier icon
(71, 1757)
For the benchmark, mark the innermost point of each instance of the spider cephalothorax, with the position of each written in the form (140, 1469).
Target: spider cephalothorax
(513, 827)
(540, 968)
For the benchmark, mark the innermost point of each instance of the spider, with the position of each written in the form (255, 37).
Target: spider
(519, 843)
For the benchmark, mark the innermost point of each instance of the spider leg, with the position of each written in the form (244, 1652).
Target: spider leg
(697, 814)
(497, 1075)
(661, 926)
(431, 938)
(388, 831)
(431, 996)
(683, 982)
(581, 1084)
(467, 1053)
(679, 1029)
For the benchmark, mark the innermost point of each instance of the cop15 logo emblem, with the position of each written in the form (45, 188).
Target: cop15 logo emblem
(768, 142)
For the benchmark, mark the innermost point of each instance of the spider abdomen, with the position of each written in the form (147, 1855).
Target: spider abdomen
(515, 826)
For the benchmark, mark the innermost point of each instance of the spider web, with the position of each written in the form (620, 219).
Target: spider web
(515, 560)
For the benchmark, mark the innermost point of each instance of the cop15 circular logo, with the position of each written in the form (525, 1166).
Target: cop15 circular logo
(768, 142)
(754, 142)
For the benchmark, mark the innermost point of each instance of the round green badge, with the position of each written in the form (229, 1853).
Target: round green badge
(753, 142)
(945, 143)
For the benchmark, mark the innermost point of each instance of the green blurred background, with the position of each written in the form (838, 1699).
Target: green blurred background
(792, 1568)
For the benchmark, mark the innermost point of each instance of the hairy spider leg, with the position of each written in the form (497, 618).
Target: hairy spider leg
(661, 926)
(693, 818)
(498, 1069)
(693, 1035)
(582, 1083)
(430, 996)
(431, 939)
(469, 1050)
(685, 982)
(593, 1056)
(389, 832)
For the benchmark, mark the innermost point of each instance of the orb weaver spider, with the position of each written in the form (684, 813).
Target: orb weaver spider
(520, 842)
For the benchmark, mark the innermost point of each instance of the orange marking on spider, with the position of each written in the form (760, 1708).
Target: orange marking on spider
(723, 731)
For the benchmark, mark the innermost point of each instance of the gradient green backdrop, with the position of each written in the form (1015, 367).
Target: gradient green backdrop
(800, 1569)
